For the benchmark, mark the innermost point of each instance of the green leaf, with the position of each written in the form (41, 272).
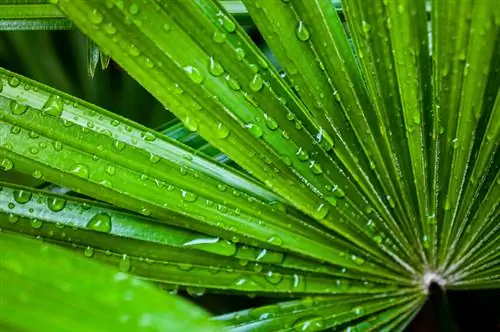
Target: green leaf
(226, 107)
(59, 291)
(166, 254)
(31, 17)
(59, 138)
(318, 313)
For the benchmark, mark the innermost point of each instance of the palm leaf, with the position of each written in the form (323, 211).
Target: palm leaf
(370, 161)
(43, 280)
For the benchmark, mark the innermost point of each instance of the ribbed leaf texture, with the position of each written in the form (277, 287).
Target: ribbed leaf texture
(357, 176)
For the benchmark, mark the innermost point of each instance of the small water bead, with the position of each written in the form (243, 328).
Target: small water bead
(194, 74)
(358, 260)
(133, 9)
(254, 68)
(36, 223)
(188, 196)
(17, 109)
(96, 17)
(124, 263)
(302, 32)
(88, 252)
(110, 29)
(221, 131)
(15, 130)
(254, 129)
(119, 145)
(53, 106)
(80, 170)
(309, 324)
(226, 22)
(321, 211)
(133, 50)
(273, 278)
(37, 174)
(256, 83)
(14, 81)
(219, 37)
(232, 83)
(315, 167)
(286, 160)
(12, 218)
(240, 53)
(6, 164)
(214, 67)
(275, 240)
(101, 222)
(195, 291)
(22, 196)
(302, 154)
(154, 159)
(149, 137)
(56, 204)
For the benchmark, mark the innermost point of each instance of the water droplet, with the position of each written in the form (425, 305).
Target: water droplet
(96, 17)
(133, 9)
(270, 122)
(309, 324)
(226, 22)
(188, 196)
(119, 145)
(124, 264)
(315, 167)
(273, 278)
(302, 32)
(12, 218)
(221, 131)
(101, 222)
(321, 211)
(80, 170)
(53, 106)
(22, 196)
(302, 155)
(358, 260)
(88, 252)
(36, 223)
(219, 37)
(6, 164)
(214, 67)
(256, 83)
(240, 53)
(17, 109)
(14, 81)
(275, 240)
(149, 137)
(254, 129)
(232, 83)
(154, 159)
(110, 29)
(56, 204)
(194, 74)
(191, 123)
(167, 27)
(195, 291)
(254, 68)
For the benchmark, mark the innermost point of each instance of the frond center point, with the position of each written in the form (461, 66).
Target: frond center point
(431, 277)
